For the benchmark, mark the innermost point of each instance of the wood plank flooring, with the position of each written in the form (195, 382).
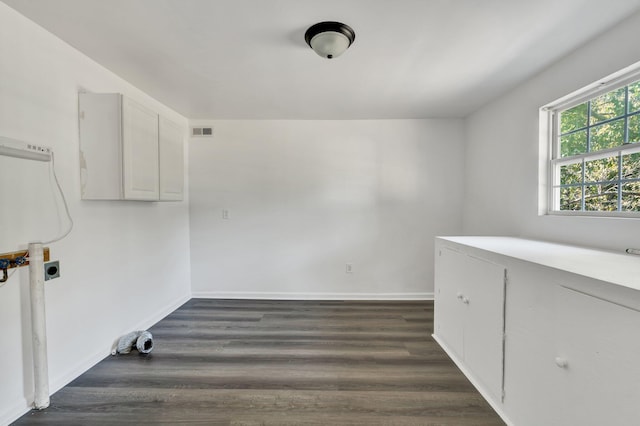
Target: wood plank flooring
(250, 362)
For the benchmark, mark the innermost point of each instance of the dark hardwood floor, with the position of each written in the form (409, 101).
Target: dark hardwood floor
(249, 362)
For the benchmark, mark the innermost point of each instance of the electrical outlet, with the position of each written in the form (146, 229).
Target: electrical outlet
(51, 270)
(349, 268)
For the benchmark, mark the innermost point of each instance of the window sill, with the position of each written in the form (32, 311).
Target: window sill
(601, 215)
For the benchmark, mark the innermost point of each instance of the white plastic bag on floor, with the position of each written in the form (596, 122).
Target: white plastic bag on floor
(142, 340)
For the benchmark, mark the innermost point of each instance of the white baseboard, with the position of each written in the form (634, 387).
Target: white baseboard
(16, 409)
(61, 381)
(309, 296)
(497, 407)
(22, 405)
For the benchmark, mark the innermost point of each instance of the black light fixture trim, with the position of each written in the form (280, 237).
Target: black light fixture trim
(332, 26)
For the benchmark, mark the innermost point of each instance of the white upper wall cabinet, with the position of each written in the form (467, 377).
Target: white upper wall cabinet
(128, 152)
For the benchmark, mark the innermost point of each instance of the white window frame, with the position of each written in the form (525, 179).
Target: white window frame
(550, 149)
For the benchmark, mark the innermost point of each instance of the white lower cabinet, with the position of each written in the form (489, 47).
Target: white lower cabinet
(572, 342)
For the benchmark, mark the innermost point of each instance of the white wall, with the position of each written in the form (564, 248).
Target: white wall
(502, 151)
(124, 266)
(307, 197)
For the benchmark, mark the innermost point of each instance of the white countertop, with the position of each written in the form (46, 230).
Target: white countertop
(617, 268)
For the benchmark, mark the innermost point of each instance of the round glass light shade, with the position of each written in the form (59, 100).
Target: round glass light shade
(330, 44)
(329, 39)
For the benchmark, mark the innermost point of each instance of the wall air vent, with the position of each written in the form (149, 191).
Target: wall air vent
(202, 131)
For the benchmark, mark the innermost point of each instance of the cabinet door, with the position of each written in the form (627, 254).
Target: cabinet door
(449, 309)
(600, 342)
(171, 160)
(469, 315)
(484, 326)
(139, 152)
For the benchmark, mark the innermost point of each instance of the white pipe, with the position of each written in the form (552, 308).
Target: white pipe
(38, 326)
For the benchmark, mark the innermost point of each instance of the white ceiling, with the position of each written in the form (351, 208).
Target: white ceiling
(248, 58)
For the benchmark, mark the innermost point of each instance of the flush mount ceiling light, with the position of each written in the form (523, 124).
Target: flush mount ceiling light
(329, 39)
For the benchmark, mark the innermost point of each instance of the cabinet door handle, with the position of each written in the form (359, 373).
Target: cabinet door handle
(562, 362)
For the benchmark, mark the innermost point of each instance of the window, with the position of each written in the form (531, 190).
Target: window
(595, 150)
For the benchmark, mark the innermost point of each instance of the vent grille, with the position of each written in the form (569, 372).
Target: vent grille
(202, 131)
